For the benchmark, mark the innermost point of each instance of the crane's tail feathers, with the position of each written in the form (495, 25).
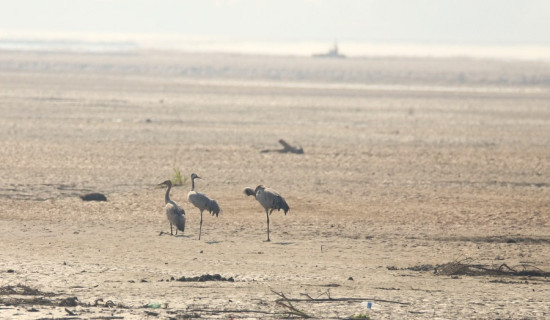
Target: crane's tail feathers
(180, 219)
(280, 204)
(180, 223)
(213, 208)
(249, 192)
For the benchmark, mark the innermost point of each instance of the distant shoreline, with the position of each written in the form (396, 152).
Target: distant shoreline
(381, 74)
(130, 43)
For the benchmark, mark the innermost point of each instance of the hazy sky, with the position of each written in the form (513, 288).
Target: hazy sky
(491, 22)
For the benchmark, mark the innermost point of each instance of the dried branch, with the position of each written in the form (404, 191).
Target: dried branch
(330, 299)
(289, 305)
(214, 311)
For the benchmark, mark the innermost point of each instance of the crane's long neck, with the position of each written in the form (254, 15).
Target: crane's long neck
(167, 196)
(192, 184)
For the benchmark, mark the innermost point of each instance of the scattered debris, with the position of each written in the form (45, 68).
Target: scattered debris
(331, 299)
(69, 302)
(293, 310)
(24, 290)
(94, 196)
(206, 277)
(460, 268)
(286, 148)
(286, 303)
(467, 268)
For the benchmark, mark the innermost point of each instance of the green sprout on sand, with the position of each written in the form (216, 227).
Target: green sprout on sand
(178, 179)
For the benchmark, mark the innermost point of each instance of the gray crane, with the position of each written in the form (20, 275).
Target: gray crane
(202, 201)
(174, 213)
(269, 199)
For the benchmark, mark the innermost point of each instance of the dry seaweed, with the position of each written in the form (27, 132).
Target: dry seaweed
(466, 267)
(205, 277)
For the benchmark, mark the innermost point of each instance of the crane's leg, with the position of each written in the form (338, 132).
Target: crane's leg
(200, 227)
(267, 214)
(171, 229)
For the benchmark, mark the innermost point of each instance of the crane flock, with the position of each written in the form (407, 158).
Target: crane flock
(267, 197)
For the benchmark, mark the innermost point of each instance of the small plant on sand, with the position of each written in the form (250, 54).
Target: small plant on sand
(178, 179)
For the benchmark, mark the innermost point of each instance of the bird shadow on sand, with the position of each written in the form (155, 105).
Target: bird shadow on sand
(164, 233)
(283, 243)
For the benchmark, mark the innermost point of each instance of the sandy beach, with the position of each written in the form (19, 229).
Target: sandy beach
(411, 166)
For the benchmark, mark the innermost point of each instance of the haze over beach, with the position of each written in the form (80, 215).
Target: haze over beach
(418, 186)
(429, 28)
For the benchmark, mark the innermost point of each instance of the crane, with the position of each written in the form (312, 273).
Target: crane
(174, 213)
(269, 199)
(202, 201)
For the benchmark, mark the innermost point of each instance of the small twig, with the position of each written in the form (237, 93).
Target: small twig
(70, 312)
(504, 265)
(532, 266)
(328, 294)
(306, 295)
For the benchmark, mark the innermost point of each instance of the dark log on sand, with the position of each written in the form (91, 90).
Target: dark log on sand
(286, 148)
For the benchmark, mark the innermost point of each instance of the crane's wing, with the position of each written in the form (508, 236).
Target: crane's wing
(180, 220)
(176, 215)
(199, 200)
(203, 202)
(277, 201)
(180, 211)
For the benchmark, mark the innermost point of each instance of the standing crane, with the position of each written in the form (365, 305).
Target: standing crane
(202, 201)
(174, 213)
(269, 199)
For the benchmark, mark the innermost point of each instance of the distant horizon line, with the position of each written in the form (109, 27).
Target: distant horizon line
(115, 42)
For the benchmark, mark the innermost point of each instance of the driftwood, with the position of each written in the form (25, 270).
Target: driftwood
(287, 148)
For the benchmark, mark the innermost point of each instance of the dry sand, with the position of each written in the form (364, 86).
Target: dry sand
(408, 162)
